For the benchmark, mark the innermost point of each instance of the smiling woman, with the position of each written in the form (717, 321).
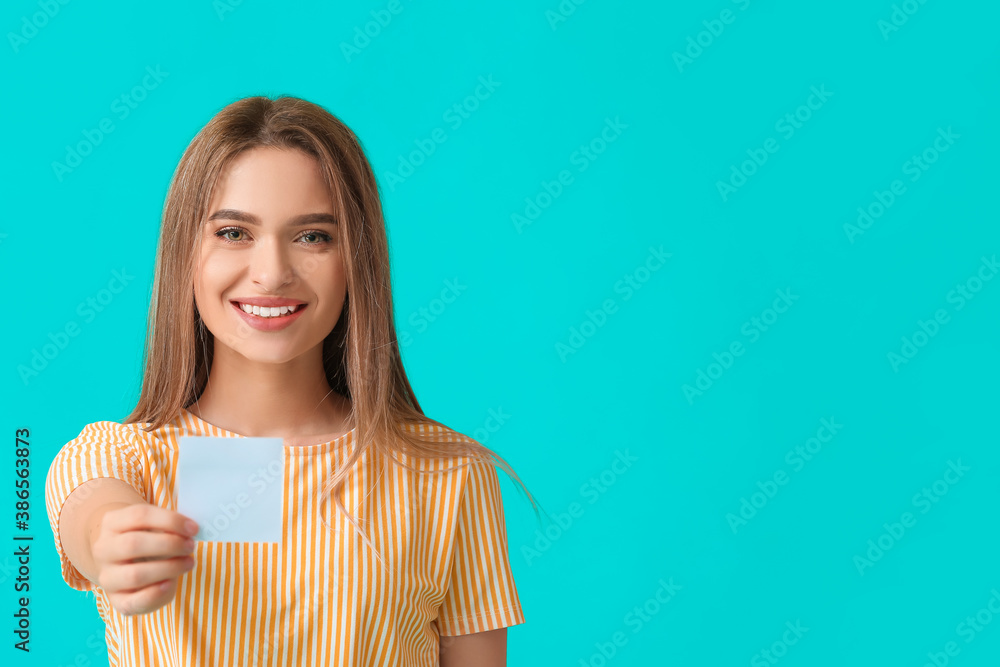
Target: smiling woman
(272, 316)
(240, 264)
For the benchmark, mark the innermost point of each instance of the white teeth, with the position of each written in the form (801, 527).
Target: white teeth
(265, 311)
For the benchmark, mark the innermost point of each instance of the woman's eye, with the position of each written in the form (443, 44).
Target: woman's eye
(324, 238)
(224, 234)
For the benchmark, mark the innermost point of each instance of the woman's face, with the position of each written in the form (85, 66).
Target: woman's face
(270, 240)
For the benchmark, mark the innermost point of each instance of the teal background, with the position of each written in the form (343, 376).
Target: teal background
(668, 518)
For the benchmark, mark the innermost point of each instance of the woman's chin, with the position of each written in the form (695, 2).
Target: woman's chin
(262, 354)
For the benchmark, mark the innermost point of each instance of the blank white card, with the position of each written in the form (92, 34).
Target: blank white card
(232, 487)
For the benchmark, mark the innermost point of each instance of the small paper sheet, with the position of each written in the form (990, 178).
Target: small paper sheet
(232, 487)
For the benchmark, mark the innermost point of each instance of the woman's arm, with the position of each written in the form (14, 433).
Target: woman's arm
(82, 514)
(132, 549)
(479, 649)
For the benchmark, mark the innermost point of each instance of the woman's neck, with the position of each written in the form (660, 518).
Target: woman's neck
(293, 401)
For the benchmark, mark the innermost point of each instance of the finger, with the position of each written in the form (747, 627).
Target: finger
(132, 577)
(146, 599)
(149, 517)
(140, 545)
(145, 545)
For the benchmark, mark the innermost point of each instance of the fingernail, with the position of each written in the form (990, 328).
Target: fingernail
(191, 527)
(189, 543)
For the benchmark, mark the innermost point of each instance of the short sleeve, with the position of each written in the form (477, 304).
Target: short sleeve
(481, 594)
(103, 449)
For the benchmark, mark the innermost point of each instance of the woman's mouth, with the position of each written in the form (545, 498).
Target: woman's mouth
(265, 311)
(268, 318)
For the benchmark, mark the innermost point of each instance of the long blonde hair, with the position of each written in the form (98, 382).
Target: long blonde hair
(361, 355)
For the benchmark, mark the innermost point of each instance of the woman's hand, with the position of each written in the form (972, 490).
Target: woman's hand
(139, 550)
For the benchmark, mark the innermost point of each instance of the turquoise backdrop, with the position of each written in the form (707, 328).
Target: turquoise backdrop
(724, 276)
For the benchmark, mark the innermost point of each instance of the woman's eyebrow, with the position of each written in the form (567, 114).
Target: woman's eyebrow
(251, 219)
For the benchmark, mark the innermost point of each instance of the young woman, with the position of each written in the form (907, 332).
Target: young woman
(272, 316)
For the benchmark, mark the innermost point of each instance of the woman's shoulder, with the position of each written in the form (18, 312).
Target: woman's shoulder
(103, 440)
(433, 428)
(100, 448)
(131, 434)
(106, 430)
(461, 445)
(432, 431)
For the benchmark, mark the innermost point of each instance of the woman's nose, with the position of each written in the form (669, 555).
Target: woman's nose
(271, 267)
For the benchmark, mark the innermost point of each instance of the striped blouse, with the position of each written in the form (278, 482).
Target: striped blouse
(318, 597)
